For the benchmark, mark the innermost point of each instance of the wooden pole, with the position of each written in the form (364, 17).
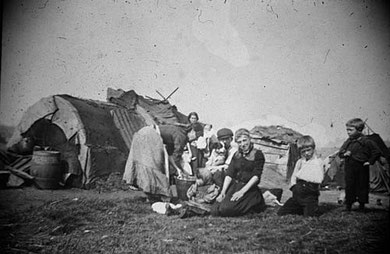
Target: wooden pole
(161, 95)
(174, 91)
(368, 127)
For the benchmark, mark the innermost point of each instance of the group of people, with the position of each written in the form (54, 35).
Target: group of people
(155, 158)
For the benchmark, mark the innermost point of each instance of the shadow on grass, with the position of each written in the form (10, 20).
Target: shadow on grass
(325, 208)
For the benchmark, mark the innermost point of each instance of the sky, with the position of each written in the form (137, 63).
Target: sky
(307, 65)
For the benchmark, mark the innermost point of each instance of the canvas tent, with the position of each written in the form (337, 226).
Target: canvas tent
(94, 137)
(278, 144)
(379, 174)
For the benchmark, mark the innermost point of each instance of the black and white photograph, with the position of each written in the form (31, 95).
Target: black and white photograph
(195, 126)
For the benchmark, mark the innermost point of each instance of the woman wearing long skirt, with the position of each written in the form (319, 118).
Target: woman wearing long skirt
(240, 194)
(145, 166)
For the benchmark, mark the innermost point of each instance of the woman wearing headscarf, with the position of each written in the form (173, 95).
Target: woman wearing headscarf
(240, 194)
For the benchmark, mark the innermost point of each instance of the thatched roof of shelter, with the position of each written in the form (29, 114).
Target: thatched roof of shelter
(276, 133)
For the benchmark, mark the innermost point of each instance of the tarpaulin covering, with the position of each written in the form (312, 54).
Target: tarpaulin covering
(94, 137)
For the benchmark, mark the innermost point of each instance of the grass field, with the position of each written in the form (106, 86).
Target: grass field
(121, 221)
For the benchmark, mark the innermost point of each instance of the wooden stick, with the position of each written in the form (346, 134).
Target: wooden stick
(22, 162)
(20, 250)
(271, 146)
(19, 173)
(150, 98)
(160, 95)
(369, 128)
(171, 94)
(16, 161)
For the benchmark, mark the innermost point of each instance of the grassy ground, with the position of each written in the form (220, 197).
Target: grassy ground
(121, 221)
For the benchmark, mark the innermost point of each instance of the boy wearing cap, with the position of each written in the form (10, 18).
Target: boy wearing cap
(225, 136)
(205, 176)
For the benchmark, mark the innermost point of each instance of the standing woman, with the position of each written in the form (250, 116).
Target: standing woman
(240, 194)
(197, 153)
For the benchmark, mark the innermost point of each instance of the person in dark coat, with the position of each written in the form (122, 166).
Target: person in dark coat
(359, 153)
(175, 139)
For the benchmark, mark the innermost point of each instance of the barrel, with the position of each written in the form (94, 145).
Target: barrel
(47, 169)
(182, 186)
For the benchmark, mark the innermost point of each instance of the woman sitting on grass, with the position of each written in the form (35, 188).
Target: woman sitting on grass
(240, 194)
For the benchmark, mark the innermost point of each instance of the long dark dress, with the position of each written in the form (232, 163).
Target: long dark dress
(198, 154)
(241, 170)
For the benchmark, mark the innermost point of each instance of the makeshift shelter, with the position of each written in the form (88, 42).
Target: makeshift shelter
(94, 137)
(278, 144)
(379, 174)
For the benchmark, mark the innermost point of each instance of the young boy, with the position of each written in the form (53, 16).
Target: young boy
(305, 181)
(358, 152)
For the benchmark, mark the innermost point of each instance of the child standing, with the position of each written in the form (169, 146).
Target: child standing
(305, 181)
(358, 152)
(210, 137)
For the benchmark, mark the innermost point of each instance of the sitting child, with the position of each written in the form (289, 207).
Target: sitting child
(214, 163)
(305, 181)
(210, 138)
(217, 156)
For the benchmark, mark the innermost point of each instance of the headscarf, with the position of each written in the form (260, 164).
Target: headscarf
(241, 132)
